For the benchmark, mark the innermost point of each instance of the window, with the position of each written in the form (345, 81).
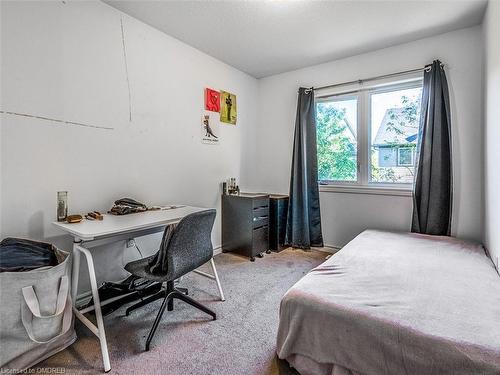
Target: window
(368, 138)
(405, 156)
(394, 122)
(336, 139)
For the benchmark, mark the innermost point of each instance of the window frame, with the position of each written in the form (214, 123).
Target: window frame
(363, 94)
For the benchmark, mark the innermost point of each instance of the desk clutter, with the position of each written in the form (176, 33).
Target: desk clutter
(122, 206)
(94, 215)
(230, 187)
(125, 206)
(72, 219)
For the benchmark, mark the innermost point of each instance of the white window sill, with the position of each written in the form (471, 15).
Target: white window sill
(363, 189)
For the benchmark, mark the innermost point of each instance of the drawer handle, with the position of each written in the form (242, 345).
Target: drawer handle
(259, 218)
(262, 226)
(259, 207)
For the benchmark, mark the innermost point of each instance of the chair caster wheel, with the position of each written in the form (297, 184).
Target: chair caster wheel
(252, 259)
(268, 251)
(260, 255)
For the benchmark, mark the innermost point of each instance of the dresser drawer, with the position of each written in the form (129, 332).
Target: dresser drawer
(260, 239)
(259, 221)
(260, 211)
(260, 216)
(260, 203)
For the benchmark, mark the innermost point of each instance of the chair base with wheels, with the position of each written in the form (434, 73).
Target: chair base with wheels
(168, 294)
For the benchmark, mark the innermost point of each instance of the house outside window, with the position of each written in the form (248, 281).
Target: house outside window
(367, 138)
(406, 156)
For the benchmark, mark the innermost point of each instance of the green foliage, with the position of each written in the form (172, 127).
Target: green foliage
(336, 150)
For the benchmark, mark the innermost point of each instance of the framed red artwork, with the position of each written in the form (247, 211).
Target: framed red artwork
(212, 100)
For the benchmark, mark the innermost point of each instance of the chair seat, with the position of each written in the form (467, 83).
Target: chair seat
(141, 268)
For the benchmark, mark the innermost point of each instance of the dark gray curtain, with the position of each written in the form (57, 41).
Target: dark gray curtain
(303, 227)
(432, 195)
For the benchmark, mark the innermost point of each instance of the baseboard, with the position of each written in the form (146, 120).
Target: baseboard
(330, 248)
(218, 250)
(494, 259)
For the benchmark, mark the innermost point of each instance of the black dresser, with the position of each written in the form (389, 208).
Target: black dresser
(245, 224)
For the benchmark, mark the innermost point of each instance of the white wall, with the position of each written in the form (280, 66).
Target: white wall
(492, 131)
(66, 61)
(345, 215)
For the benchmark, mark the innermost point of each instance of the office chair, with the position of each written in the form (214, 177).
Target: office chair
(184, 248)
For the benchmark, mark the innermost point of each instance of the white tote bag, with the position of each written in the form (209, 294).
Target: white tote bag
(36, 317)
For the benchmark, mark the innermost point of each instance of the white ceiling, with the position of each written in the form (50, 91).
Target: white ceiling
(268, 37)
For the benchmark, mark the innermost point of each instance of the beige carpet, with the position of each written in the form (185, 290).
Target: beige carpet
(241, 341)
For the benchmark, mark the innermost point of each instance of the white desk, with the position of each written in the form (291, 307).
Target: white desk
(88, 234)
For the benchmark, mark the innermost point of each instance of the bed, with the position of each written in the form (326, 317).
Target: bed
(395, 303)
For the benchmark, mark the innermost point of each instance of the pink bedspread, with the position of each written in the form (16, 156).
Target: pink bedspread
(395, 303)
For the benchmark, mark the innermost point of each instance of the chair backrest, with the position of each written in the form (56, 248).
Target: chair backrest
(190, 245)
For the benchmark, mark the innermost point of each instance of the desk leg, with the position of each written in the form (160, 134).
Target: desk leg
(98, 314)
(75, 272)
(212, 263)
(215, 277)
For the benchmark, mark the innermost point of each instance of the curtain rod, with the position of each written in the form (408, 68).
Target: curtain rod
(361, 81)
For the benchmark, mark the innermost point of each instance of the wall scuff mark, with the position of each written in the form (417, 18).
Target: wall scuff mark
(56, 120)
(126, 72)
